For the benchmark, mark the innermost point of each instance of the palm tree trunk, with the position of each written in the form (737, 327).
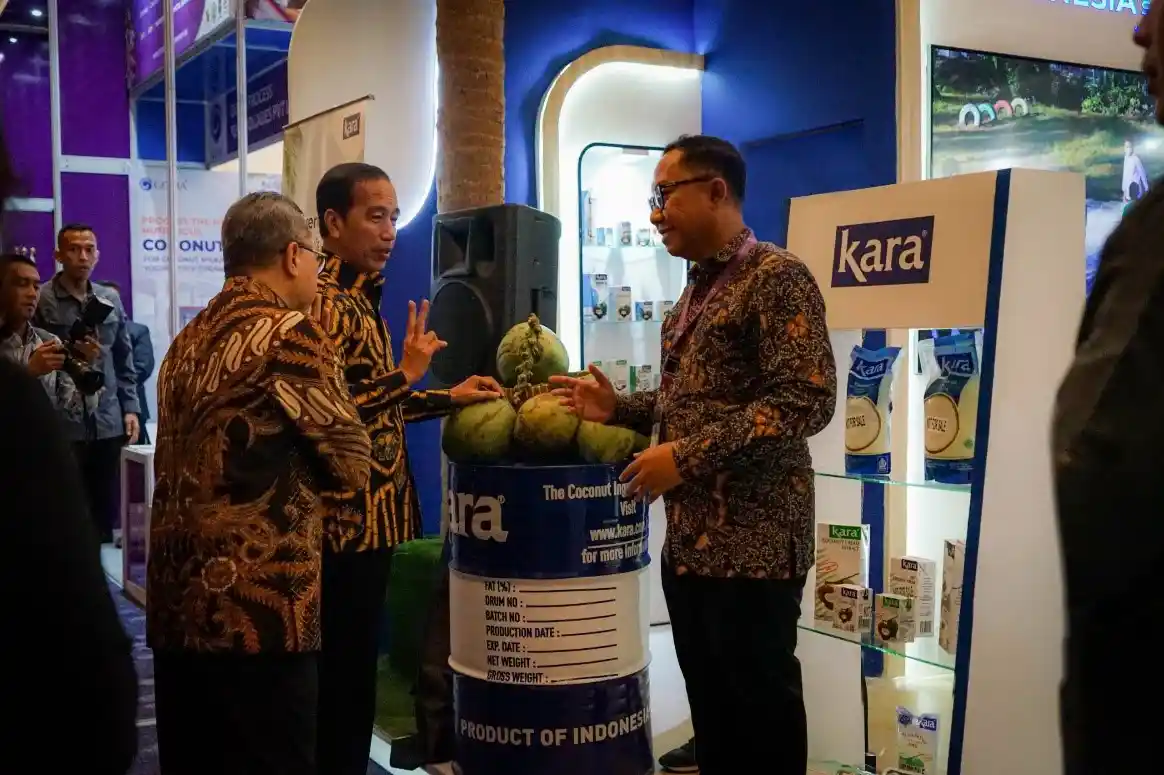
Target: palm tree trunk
(471, 121)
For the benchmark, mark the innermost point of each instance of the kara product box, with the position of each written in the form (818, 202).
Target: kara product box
(597, 297)
(893, 620)
(842, 557)
(953, 568)
(621, 305)
(665, 308)
(643, 378)
(619, 374)
(644, 310)
(914, 577)
(853, 609)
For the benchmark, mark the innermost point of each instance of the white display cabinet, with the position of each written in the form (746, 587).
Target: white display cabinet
(137, 495)
(628, 280)
(1000, 253)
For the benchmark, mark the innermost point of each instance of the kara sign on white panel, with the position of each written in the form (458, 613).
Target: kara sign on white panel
(884, 253)
(914, 255)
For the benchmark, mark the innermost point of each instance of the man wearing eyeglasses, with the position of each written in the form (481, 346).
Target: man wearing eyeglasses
(358, 211)
(747, 376)
(111, 421)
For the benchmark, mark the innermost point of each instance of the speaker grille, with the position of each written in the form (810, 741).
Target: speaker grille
(460, 315)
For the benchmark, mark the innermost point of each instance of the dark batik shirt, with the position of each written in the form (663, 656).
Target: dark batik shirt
(756, 378)
(387, 511)
(254, 421)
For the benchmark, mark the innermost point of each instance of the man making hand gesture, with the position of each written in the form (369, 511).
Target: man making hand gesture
(357, 219)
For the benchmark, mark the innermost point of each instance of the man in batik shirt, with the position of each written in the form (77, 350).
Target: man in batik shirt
(255, 422)
(358, 210)
(747, 376)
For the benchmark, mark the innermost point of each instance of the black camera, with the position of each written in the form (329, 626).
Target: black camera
(87, 379)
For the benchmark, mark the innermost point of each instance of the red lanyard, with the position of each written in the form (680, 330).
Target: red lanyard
(688, 317)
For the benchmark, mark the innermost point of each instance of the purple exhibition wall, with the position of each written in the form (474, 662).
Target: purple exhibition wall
(94, 101)
(24, 104)
(94, 200)
(94, 122)
(31, 230)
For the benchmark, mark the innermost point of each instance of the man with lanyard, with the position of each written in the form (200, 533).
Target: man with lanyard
(747, 376)
(358, 209)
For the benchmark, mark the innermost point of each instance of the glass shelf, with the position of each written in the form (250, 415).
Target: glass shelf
(835, 768)
(622, 322)
(923, 650)
(865, 479)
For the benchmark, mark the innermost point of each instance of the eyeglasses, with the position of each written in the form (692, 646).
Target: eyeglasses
(661, 191)
(319, 256)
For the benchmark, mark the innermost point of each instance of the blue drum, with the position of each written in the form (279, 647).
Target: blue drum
(549, 606)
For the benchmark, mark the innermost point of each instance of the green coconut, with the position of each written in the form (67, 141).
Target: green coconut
(534, 345)
(480, 433)
(600, 443)
(544, 427)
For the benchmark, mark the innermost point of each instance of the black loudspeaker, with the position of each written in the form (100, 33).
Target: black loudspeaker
(491, 267)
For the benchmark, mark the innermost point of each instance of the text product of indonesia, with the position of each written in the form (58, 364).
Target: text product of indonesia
(549, 600)
(314, 145)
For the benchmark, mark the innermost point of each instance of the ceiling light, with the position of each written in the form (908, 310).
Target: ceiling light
(12, 40)
(36, 13)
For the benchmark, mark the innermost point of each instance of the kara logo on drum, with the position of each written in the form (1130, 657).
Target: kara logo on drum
(477, 516)
(884, 253)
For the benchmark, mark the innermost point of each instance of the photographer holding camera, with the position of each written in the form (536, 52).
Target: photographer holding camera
(90, 320)
(34, 348)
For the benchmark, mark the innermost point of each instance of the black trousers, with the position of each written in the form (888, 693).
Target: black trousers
(1101, 675)
(354, 586)
(235, 714)
(100, 464)
(735, 639)
(435, 729)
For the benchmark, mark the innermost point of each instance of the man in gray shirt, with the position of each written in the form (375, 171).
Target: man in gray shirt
(23, 343)
(99, 434)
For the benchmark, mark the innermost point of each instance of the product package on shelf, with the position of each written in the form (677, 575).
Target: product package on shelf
(917, 743)
(894, 625)
(914, 577)
(853, 609)
(621, 303)
(589, 235)
(619, 374)
(952, 366)
(665, 306)
(953, 567)
(842, 557)
(644, 310)
(868, 410)
(642, 378)
(597, 291)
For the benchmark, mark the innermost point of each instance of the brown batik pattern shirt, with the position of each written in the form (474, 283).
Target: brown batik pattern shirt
(387, 511)
(254, 420)
(756, 378)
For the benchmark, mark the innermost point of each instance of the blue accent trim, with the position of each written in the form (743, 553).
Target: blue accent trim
(873, 515)
(982, 444)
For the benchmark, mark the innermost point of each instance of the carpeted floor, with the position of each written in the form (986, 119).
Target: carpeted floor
(133, 619)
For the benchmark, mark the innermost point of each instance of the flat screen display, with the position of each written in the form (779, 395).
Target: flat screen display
(990, 112)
